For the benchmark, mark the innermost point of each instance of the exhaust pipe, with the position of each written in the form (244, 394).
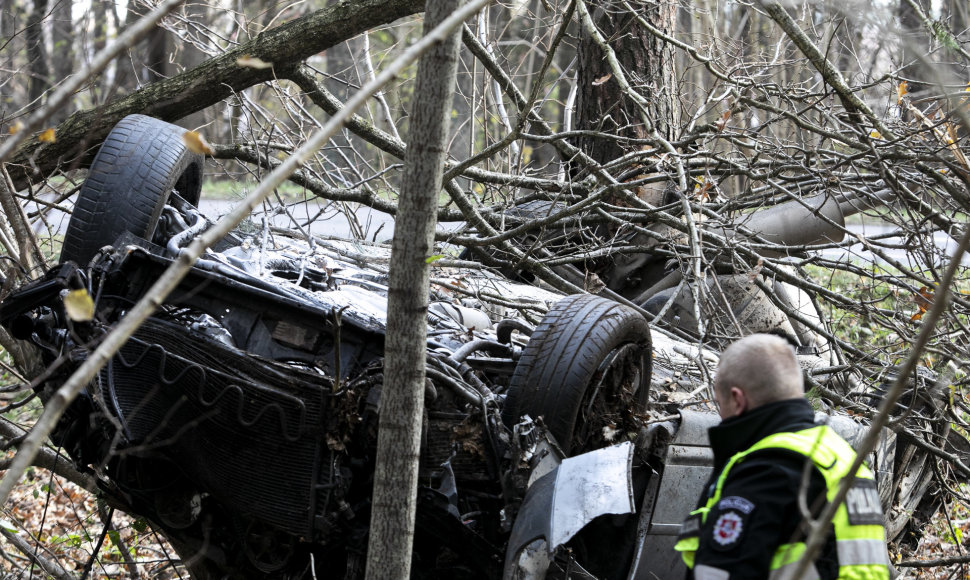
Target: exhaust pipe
(815, 220)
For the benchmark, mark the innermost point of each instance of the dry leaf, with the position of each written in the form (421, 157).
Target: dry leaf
(196, 143)
(47, 136)
(15, 128)
(253, 62)
(602, 79)
(79, 305)
(756, 271)
(722, 122)
(610, 432)
(875, 134)
(593, 284)
(923, 301)
(901, 90)
(924, 298)
(702, 189)
(951, 134)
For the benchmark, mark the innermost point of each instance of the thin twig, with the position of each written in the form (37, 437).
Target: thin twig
(69, 87)
(821, 526)
(49, 566)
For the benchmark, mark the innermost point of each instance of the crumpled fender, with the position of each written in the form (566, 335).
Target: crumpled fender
(562, 502)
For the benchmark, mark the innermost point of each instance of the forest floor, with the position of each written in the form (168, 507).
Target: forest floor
(65, 524)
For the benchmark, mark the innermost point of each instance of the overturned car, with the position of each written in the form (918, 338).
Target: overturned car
(241, 418)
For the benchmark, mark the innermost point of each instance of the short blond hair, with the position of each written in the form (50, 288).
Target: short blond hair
(764, 366)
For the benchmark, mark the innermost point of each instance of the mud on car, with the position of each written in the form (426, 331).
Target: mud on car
(241, 418)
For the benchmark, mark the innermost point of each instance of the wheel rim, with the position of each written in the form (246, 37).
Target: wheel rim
(608, 407)
(267, 549)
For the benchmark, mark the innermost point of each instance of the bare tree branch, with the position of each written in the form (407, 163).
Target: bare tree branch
(67, 89)
(820, 526)
(49, 566)
(215, 79)
(49, 459)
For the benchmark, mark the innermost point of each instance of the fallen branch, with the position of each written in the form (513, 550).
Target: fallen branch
(205, 85)
(932, 563)
(49, 566)
(49, 459)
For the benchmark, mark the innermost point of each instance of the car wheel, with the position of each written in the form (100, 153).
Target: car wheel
(139, 164)
(913, 505)
(586, 371)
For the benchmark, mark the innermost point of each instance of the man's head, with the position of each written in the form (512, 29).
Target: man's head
(754, 371)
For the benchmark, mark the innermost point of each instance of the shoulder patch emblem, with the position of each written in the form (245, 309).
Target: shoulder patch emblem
(727, 529)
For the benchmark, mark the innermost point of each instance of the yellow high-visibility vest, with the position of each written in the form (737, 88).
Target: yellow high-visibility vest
(859, 540)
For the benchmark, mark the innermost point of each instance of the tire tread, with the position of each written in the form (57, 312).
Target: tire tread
(563, 355)
(141, 160)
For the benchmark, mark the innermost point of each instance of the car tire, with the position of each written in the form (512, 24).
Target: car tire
(586, 367)
(139, 164)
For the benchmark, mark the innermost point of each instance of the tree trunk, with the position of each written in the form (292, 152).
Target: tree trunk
(600, 104)
(156, 65)
(37, 53)
(9, 9)
(148, 60)
(913, 48)
(402, 404)
(62, 33)
(343, 78)
(959, 17)
(126, 78)
(11, 21)
(190, 56)
(956, 13)
(99, 16)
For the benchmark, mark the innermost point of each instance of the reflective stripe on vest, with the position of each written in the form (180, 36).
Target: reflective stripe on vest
(861, 544)
(785, 562)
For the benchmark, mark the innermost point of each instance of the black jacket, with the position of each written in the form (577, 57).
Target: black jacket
(759, 509)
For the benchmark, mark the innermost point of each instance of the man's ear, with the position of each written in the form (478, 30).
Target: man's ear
(740, 399)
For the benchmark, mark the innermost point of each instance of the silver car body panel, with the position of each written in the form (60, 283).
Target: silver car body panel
(562, 502)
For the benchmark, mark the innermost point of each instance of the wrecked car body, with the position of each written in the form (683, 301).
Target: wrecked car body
(636, 501)
(241, 419)
(255, 418)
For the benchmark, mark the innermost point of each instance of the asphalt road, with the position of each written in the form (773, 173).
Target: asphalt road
(332, 220)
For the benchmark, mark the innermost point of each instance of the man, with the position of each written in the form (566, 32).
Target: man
(771, 464)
